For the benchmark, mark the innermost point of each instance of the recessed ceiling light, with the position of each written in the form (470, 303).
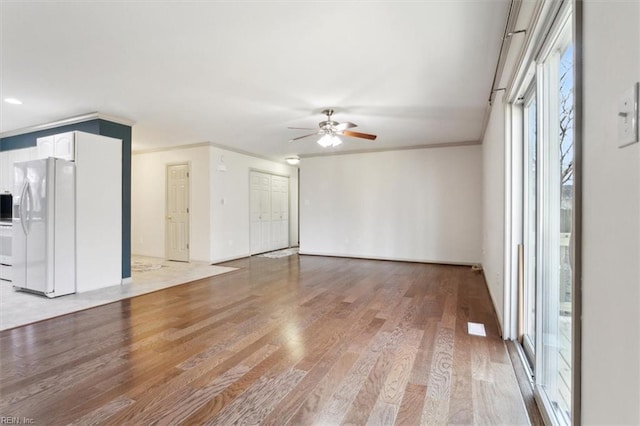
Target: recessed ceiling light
(13, 101)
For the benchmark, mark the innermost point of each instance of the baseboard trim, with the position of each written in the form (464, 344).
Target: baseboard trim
(389, 258)
(229, 259)
(493, 303)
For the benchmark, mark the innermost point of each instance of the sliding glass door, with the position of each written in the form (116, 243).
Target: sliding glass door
(548, 200)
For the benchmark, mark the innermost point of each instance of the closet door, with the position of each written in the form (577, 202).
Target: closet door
(260, 211)
(279, 212)
(269, 212)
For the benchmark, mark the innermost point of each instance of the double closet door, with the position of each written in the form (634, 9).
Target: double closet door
(269, 212)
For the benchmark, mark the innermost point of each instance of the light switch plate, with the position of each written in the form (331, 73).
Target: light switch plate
(628, 117)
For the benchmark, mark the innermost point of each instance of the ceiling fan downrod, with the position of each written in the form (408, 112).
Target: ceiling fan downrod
(328, 125)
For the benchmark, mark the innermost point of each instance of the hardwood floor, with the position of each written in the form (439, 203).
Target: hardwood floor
(295, 340)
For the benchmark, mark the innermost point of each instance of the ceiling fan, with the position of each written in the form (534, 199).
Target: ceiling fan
(330, 130)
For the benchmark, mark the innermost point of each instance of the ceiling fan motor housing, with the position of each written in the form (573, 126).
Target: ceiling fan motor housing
(328, 125)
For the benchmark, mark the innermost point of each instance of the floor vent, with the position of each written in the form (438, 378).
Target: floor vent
(476, 329)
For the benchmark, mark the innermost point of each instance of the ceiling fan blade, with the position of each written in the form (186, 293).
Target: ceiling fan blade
(346, 125)
(359, 135)
(305, 136)
(301, 128)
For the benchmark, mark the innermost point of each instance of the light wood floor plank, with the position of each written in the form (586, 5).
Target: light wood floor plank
(297, 340)
(412, 402)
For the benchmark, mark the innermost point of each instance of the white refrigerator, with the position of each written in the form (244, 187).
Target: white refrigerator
(44, 227)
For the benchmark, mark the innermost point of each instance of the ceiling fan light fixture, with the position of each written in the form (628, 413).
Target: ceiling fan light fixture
(329, 130)
(329, 140)
(294, 161)
(325, 141)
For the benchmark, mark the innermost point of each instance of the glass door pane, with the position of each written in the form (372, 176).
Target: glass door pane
(530, 222)
(555, 304)
(566, 228)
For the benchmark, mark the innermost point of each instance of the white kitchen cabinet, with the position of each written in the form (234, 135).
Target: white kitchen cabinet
(59, 146)
(5, 251)
(45, 147)
(6, 170)
(24, 154)
(98, 211)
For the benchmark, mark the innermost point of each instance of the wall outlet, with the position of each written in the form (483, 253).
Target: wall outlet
(628, 117)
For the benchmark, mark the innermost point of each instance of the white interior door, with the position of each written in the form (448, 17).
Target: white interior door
(269, 212)
(279, 212)
(260, 211)
(177, 218)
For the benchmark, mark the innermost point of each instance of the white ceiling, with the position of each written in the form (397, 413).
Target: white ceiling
(238, 73)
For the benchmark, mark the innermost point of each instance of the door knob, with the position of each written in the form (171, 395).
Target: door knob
(168, 217)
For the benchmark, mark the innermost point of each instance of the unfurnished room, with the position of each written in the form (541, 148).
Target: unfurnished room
(320, 212)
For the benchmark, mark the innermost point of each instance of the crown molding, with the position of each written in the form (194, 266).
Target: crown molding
(211, 145)
(170, 148)
(67, 121)
(403, 148)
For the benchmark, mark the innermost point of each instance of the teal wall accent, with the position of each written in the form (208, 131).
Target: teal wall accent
(97, 127)
(120, 131)
(29, 139)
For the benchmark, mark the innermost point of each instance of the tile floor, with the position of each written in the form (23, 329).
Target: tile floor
(148, 274)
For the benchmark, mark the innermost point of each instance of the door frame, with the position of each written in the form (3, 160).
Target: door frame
(166, 207)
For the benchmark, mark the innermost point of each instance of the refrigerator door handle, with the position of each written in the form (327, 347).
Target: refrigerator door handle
(29, 206)
(21, 209)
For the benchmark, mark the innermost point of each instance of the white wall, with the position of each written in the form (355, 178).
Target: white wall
(230, 223)
(611, 219)
(219, 231)
(418, 205)
(148, 195)
(493, 159)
